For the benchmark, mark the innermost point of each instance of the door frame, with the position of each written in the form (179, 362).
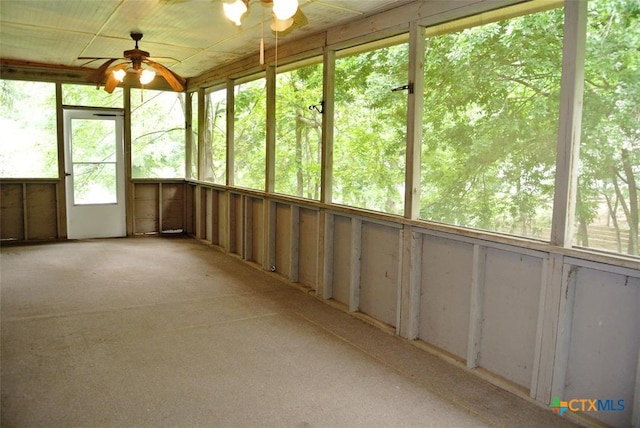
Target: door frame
(120, 208)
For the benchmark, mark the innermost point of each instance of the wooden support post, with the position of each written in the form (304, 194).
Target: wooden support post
(230, 133)
(61, 194)
(356, 253)
(549, 306)
(415, 103)
(201, 132)
(477, 305)
(270, 145)
(328, 89)
(130, 201)
(565, 321)
(409, 290)
(570, 120)
(325, 260)
(188, 134)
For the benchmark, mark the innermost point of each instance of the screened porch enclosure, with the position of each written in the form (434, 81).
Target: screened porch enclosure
(465, 178)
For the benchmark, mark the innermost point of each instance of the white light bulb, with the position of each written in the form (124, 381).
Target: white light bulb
(146, 76)
(284, 9)
(234, 11)
(119, 74)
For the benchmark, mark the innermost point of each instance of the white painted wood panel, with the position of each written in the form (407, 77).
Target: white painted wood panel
(257, 230)
(379, 269)
(604, 342)
(341, 243)
(308, 247)
(283, 239)
(511, 299)
(445, 294)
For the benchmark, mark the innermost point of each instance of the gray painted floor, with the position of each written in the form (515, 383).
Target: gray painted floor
(171, 332)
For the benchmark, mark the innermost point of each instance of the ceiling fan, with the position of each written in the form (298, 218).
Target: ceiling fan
(286, 14)
(115, 69)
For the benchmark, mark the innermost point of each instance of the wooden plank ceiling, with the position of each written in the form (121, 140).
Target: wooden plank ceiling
(193, 33)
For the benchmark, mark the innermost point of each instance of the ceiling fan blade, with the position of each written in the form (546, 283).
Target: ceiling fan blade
(285, 26)
(98, 75)
(112, 82)
(176, 82)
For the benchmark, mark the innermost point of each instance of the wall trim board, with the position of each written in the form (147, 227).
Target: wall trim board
(626, 271)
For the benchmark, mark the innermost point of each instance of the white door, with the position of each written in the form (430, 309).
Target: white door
(94, 165)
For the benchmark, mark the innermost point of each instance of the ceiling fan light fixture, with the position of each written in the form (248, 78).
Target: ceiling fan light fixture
(234, 11)
(119, 74)
(280, 25)
(284, 9)
(147, 76)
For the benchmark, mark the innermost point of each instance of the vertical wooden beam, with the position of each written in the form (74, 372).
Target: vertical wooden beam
(411, 273)
(294, 255)
(61, 194)
(477, 305)
(565, 321)
(271, 130)
(188, 134)
(568, 148)
(356, 254)
(548, 309)
(128, 174)
(328, 95)
(230, 132)
(201, 132)
(415, 103)
(325, 259)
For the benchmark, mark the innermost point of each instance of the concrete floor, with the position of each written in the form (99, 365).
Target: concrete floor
(171, 332)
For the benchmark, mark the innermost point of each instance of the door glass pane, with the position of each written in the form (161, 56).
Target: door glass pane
(93, 153)
(94, 183)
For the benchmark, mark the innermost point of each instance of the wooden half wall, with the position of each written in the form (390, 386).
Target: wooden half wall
(30, 210)
(33, 209)
(537, 320)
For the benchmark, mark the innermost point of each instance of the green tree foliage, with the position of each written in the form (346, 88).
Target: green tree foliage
(250, 134)
(89, 95)
(28, 146)
(610, 149)
(215, 138)
(298, 132)
(370, 130)
(94, 160)
(158, 134)
(490, 125)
